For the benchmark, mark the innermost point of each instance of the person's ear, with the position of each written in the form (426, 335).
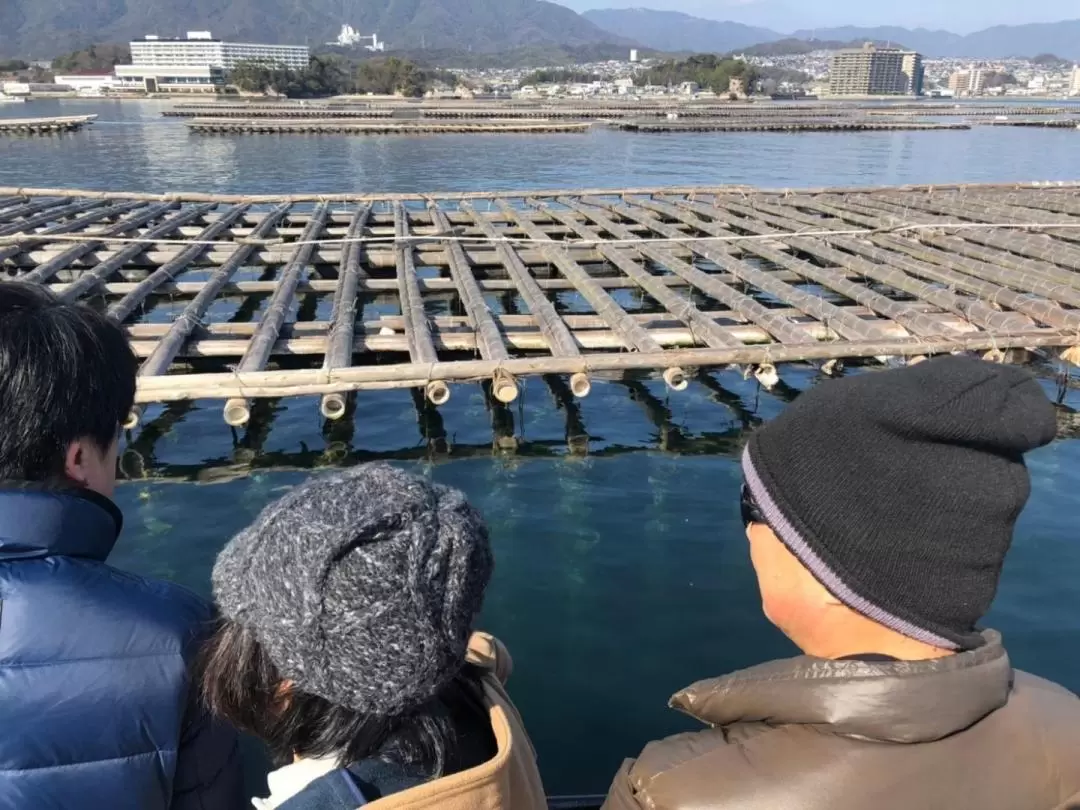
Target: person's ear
(75, 461)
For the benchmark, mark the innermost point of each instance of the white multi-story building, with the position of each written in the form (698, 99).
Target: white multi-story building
(200, 50)
(1074, 85)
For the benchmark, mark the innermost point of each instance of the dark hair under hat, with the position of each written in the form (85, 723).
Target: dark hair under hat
(900, 490)
(361, 586)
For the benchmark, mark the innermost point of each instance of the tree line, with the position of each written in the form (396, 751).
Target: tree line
(705, 70)
(334, 75)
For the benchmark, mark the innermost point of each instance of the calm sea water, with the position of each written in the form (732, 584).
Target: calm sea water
(623, 575)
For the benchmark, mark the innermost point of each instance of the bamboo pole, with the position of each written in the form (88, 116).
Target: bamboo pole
(781, 328)
(1030, 246)
(560, 341)
(101, 272)
(728, 322)
(504, 387)
(680, 307)
(411, 302)
(28, 208)
(739, 190)
(123, 308)
(633, 336)
(45, 271)
(238, 409)
(816, 307)
(344, 313)
(918, 323)
(191, 318)
(25, 226)
(975, 311)
(317, 381)
(105, 211)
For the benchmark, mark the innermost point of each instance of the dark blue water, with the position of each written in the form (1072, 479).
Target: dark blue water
(622, 575)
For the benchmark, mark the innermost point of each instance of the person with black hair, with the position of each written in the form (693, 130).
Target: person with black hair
(96, 704)
(347, 644)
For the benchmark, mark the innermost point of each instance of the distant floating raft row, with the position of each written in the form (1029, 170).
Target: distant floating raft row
(44, 126)
(1052, 123)
(233, 126)
(800, 125)
(240, 298)
(277, 111)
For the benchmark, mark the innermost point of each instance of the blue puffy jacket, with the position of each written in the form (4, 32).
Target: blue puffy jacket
(96, 708)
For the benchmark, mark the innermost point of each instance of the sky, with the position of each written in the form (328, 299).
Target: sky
(959, 16)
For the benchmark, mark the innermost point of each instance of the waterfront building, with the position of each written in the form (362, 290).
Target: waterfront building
(200, 50)
(1074, 85)
(874, 71)
(143, 78)
(87, 83)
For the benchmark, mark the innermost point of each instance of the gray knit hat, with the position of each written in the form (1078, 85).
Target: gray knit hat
(361, 586)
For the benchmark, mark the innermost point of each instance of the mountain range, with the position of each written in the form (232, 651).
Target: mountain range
(46, 28)
(673, 31)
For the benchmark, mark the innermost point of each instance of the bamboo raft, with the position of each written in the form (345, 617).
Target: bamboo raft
(244, 298)
(44, 126)
(347, 126)
(1053, 123)
(784, 125)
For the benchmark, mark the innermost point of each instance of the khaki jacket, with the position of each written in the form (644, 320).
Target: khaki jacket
(511, 780)
(809, 734)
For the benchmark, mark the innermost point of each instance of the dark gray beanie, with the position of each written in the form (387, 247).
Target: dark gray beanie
(899, 490)
(361, 586)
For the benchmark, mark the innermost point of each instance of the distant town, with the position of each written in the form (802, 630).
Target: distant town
(199, 63)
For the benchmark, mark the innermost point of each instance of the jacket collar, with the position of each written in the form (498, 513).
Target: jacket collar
(38, 521)
(901, 702)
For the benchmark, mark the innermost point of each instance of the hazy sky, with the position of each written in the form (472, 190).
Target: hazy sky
(961, 16)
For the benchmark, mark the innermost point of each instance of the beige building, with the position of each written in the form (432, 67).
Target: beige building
(874, 71)
(970, 82)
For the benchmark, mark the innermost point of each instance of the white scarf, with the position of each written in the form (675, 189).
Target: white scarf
(288, 781)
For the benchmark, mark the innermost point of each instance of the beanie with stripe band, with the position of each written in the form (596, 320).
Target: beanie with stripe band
(899, 490)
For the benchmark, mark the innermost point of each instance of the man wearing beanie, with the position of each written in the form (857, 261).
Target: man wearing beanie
(347, 646)
(879, 510)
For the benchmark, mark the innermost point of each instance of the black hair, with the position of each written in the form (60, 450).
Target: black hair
(240, 683)
(66, 373)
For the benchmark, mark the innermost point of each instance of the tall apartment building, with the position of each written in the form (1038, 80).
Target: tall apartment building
(970, 82)
(873, 71)
(1074, 85)
(200, 49)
